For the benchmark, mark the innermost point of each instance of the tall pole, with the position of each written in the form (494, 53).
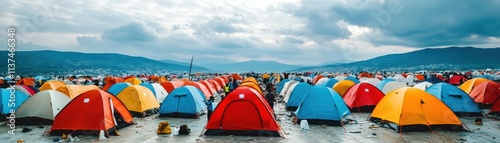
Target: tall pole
(190, 67)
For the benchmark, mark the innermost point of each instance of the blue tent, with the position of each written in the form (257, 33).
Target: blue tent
(322, 105)
(329, 83)
(486, 76)
(18, 98)
(434, 80)
(149, 86)
(351, 78)
(183, 102)
(281, 85)
(298, 94)
(455, 98)
(118, 87)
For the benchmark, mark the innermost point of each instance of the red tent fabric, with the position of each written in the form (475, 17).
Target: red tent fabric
(457, 80)
(111, 82)
(28, 88)
(486, 92)
(363, 96)
(243, 112)
(90, 113)
(495, 109)
(169, 87)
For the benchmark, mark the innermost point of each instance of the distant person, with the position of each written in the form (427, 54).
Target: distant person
(226, 91)
(270, 97)
(210, 107)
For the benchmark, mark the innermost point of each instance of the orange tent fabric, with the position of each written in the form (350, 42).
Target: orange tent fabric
(209, 86)
(363, 96)
(74, 90)
(201, 87)
(316, 78)
(411, 106)
(168, 86)
(236, 76)
(26, 81)
(216, 85)
(162, 79)
(111, 82)
(154, 78)
(90, 113)
(470, 84)
(134, 81)
(256, 120)
(220, 81)
(342, 86)
(177, 83)
(486, 92)
(51, 85)
(420, 77)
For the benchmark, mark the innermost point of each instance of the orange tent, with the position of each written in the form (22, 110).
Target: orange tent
(26, 81)
(209, 86)
(168, 86)
(52, 85)
(134, 81)
(90, 113)
(420, 77)
(236, 76)
(251, 82)
(128, 77)
(154, 78)
(316, 78)
(201, 87)
(470, 84)
(111, 82)
(414, 109)
(74, 90)
(342, 86)
(162, 79)
(220, 81)
(486, 92)
(177, 83)
(216, 85)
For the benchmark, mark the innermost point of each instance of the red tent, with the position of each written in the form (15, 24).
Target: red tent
(457, 80)
(243, 112)
(495, 109)
(90, 113)
(486, 92)
(168, 86)
(363, 96)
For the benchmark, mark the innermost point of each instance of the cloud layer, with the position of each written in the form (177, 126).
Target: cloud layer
(294, 32)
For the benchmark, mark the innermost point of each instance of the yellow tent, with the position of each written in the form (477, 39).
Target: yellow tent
(134, 81)
(162, 79)
(342, 86)
(139, 100)
(74, 90)
(52, 85)
(412, 108)
(252, 85)
(468, 85)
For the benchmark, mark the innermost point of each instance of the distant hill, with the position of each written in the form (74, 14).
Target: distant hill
(452, 58)
(195, 67)
(55, 62)
(337, 62)
(253, 65)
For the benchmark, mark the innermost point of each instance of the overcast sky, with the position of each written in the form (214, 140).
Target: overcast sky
(304, 32)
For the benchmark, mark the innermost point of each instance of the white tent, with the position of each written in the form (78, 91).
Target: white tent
(372, 81)
(160, 92)
(287, 86)
(289, 91)
(322, 80)
(423, 85)
(399, 77)
(392, 85)
(340, 77)
(68, 82)
(45, 104)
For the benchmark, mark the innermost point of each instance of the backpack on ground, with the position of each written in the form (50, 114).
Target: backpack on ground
(164, 128)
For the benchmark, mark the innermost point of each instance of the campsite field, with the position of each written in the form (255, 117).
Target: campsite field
(145, 131)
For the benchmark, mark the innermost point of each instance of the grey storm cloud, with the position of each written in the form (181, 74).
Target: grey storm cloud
(424, 23)
(133, 32)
